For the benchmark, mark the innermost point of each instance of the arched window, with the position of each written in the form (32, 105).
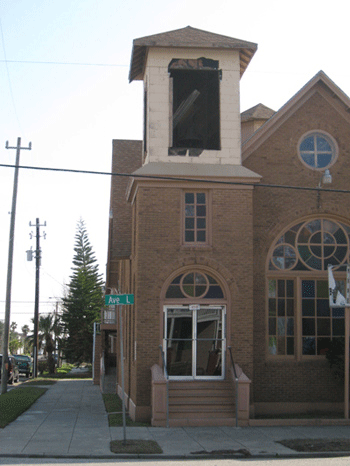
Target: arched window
(300, 321)
(194, 285)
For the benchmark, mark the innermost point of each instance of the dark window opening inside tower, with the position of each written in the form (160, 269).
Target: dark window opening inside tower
(195, 116)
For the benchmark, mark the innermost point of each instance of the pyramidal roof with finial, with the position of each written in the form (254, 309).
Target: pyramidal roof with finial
(187, 37)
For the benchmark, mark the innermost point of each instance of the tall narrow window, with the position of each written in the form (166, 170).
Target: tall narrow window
(196, 211)
(320, 323)
(281, 317)
(145, 123)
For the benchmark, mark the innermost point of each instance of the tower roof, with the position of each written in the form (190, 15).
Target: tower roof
(259, 112)
(187, 37)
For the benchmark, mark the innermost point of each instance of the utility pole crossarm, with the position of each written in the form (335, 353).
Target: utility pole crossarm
(18, 145)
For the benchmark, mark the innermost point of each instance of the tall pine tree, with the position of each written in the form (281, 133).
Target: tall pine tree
(84, 300)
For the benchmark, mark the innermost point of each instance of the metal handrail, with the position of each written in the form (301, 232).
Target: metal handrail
(167, 384)
(236, 380)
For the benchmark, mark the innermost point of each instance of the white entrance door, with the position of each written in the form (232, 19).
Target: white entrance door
(194, 341)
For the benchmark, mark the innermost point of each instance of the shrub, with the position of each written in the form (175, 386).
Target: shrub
(335, 356)
(42, 366)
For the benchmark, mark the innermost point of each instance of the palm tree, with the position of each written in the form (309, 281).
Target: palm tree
(26, 344)
(46, 328)
(49, 329)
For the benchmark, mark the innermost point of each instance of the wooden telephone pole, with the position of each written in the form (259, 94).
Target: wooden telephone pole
(9, 268)
(36, 305)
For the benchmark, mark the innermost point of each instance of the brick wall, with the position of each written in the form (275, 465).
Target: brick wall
(126, 159)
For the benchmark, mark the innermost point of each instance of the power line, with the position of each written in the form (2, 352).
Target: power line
(8, 77)
(174, 178)
(29, 302)
(30, 312)
(31, 62)
(53, 278)
(119, 65)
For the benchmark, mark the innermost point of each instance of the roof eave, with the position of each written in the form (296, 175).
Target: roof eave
(140, 51)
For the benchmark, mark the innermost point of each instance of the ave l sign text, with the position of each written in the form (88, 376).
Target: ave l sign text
(116, 299)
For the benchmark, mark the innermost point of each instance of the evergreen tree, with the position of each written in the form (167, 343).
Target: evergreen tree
(84, 300)
(1, 333)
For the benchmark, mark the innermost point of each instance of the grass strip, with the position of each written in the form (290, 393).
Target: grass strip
(65, 372)
(113, 404)
(116, 420)
(135, 446)
(313, 415)
(317, 445)
(40, 381)
(68, 375)
(16, 402)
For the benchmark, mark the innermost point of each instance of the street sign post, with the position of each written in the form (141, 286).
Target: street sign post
(117, 299)
(336, 300)
(120, 300)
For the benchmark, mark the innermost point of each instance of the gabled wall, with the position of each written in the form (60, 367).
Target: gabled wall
(308, 380)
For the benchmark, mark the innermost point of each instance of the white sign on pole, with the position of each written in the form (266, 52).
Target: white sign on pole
(336, 299)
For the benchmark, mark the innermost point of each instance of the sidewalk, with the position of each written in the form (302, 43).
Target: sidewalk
(69, 420)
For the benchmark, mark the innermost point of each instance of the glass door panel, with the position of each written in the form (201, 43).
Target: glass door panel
(179, 342)
(208, 342)
(209, 360)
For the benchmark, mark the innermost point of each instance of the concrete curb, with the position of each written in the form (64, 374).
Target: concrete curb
(182, 457)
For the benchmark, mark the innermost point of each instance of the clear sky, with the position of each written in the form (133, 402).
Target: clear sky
(64, 87)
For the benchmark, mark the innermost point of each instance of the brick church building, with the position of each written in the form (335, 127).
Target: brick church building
(223, 232)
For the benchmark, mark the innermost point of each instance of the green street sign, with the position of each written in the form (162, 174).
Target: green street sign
(116, 299)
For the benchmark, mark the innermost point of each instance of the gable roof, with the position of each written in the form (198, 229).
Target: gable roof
(336, 95)
(188, 37)
(259, 112)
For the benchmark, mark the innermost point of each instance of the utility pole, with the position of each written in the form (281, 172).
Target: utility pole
(9, 267)
(36, 305)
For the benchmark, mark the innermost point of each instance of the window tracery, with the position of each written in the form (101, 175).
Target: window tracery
(299, 320)
(312, 245)
(194, 284)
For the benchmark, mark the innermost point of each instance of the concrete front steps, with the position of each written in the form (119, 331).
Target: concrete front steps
(201, 403)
